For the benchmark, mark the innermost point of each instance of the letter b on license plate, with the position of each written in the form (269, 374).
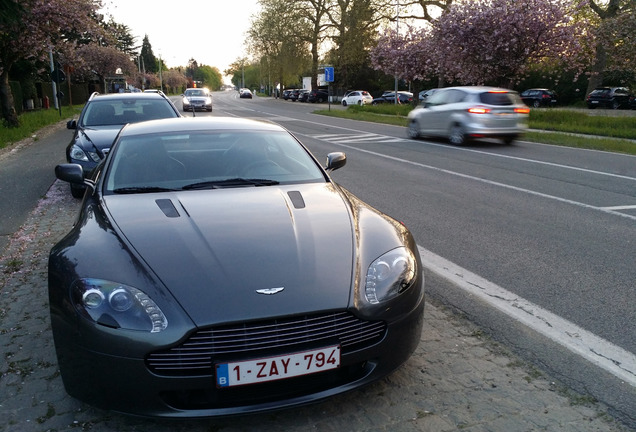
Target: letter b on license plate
(279, 367)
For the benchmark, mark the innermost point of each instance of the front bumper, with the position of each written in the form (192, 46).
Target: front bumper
(127, 385)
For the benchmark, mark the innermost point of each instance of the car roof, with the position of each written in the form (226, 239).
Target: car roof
(119, 96)
(198, 124)
(479, 89)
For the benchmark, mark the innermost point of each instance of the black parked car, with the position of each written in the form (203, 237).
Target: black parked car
(102, 118)
(539, 97)
(389, 97)
(217, 269)
(318, 95)
(303, 96)
(609, 97)
(287, 93)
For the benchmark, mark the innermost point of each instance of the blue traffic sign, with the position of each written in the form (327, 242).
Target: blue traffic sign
(328, 74)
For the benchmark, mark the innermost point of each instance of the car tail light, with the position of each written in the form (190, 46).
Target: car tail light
(479, 110)
(522, 110)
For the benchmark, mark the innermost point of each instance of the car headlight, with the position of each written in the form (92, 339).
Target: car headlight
(77, 153)
(116, 305)
(208, 101)
(390, 275)
(186, 101)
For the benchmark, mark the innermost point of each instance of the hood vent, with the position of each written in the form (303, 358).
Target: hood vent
(296, 199)
(168, 208)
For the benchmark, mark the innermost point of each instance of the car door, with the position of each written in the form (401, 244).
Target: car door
(444, 106)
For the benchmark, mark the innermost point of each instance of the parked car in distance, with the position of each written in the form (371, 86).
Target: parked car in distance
(318, 95)
(404, 97)
(424, 94)
(196, 99)
(609, 97)
(101, 119)
(461, 114)
(287, 93)
(297, 94)
(245, 94)
(357, 97)
(303, 95)
(210, 247)
(539, 97)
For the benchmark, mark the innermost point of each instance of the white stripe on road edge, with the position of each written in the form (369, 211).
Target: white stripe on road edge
(600, 352)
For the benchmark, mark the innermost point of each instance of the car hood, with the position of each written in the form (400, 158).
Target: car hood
(216, 249)
(101, 137)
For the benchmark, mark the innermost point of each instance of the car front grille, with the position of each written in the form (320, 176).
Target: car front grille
(196, 355)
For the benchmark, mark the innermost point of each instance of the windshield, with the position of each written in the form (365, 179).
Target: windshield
(190, 93)
(208, 160)
(121, 112)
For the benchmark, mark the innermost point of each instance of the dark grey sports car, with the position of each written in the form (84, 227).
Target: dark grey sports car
(215, 269)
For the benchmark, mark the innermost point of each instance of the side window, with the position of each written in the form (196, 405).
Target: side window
(455, 96)
(438, 98)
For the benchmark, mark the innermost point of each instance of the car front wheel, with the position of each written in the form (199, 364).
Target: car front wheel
(413, 129)
(344, 103)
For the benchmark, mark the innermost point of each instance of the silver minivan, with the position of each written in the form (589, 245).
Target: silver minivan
(461, 114)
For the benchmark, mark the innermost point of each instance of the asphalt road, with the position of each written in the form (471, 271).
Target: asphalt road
(552, 226)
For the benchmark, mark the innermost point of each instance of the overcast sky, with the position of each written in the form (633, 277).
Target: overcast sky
(210, 31)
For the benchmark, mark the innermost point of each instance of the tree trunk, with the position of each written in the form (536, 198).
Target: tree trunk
(596, 77)
(6, 100)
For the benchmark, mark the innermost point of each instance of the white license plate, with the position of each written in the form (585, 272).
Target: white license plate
(279, 367)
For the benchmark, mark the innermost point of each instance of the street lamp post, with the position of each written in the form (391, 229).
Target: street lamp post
(160, 73)
(397, 30)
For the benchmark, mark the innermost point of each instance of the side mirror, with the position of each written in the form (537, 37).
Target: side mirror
(71, 124)
(335, 161)
(72, 173)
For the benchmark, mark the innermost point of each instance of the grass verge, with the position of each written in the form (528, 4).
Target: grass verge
(555, 127)
(31, 122)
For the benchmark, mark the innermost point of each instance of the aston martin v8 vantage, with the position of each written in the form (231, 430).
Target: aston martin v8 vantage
(216, 269)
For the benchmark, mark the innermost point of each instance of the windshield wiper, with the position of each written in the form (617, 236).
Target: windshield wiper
(142, 189)
(214, 184)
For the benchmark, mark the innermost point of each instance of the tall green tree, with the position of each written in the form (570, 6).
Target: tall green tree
(148, 59)
(272, 35)
(354, 24)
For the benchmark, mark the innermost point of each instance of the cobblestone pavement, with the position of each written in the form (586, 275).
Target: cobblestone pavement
(457, 379)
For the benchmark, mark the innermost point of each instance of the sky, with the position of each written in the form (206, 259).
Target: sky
(210, 31)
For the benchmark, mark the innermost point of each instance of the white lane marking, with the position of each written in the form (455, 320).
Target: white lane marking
(600, 352)
(607, 210)
(627, 207)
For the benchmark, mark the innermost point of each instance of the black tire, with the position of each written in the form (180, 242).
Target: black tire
(615, 105)
(413, 129)
(344, 103)
(456, 135)
(536, 104)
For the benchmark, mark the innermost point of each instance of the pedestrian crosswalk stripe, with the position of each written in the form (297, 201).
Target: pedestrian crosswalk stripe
(353, 138)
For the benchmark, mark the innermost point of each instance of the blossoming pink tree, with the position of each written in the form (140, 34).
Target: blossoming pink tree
(42, 25)
(485, 42)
